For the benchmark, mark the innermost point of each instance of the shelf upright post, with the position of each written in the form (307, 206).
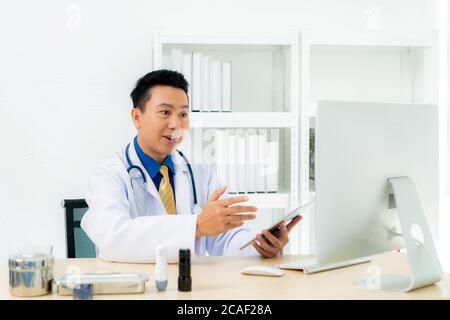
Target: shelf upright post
(304, 100)
(294, 107)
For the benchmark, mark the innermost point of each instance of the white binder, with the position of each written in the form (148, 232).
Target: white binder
(196, 81)
(205, 86)
(232, 166)
(187, 73)
(251, 159)
(215, 80)
(262, 160)
(241, 161)
(176, 60)
(226, 86)
(221, 155)
(272, 166)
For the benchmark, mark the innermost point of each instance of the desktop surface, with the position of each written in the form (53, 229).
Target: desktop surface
(219, 278)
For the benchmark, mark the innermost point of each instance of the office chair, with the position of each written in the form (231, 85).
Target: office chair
(78, 243)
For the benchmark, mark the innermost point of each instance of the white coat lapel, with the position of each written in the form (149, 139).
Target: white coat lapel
(182, 185)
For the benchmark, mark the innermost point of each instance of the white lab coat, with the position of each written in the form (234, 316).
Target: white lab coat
(127, 225)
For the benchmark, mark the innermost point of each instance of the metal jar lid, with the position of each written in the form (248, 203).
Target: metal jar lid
(31, 261)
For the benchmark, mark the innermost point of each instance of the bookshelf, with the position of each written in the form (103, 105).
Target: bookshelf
(391, 67)
(278, 78)
(265, 94)
(241, 120)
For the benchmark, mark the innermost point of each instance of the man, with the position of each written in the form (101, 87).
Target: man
(143, 197)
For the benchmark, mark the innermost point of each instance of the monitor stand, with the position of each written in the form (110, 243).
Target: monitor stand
(422, 256)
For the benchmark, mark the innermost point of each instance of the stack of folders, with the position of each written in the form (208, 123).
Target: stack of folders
(209, 80)
(247, 161)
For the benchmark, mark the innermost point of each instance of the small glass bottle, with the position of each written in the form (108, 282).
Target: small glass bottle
(161, 268)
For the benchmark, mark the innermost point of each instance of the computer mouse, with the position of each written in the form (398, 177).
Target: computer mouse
(260, 270)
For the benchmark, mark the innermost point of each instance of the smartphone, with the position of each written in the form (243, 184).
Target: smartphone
(287, 218)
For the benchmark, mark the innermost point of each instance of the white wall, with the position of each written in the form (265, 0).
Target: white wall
(65, 83)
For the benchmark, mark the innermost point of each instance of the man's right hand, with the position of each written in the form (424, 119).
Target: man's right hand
(219, 216)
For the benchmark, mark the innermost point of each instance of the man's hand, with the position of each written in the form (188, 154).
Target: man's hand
(270, 244)
(219, 216)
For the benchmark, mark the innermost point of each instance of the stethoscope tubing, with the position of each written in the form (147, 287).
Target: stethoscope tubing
(131, 167)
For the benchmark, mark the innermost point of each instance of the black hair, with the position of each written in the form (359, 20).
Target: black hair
(141, 92)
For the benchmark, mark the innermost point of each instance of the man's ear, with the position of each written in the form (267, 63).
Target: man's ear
(136, 117)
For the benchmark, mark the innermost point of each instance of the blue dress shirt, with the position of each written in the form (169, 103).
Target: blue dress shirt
(152, 166)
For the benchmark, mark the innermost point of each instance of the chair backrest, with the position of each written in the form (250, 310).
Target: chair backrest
(78, 243)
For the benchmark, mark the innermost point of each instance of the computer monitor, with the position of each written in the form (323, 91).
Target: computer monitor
(359, 147)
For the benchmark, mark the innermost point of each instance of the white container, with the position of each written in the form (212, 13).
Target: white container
(161, 272)
(30, 274)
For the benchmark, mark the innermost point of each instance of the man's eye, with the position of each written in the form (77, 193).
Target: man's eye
(184, 115)
(165, 112)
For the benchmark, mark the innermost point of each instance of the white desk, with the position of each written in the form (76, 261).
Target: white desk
(219, 278)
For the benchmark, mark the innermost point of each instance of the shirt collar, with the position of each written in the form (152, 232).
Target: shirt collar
(151, 165)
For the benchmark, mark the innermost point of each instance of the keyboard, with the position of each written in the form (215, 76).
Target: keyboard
(312, 266)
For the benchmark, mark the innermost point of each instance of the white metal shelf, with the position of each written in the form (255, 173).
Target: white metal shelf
(226, 38)
(289, 73)
(300, 45)
(268, 200)
(368, 38)
(389, 39)
(240, 119)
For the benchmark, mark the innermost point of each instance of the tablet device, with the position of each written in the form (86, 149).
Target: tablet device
(287, 218)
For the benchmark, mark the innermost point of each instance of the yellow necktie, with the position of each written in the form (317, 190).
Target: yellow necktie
(166, 192)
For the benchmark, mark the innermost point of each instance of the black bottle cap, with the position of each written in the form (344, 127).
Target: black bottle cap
(184, 268)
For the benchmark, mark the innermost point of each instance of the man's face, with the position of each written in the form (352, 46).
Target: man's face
(166, 111)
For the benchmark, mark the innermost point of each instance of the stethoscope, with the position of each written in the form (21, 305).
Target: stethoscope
(197, 209)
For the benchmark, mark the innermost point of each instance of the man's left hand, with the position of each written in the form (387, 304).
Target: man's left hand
(270, 244)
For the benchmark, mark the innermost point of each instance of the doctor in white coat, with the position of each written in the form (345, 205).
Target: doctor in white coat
(144, 195)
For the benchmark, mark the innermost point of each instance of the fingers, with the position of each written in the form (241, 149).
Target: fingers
(216, 194)
(281, 234)
(238, 218)
(261, 250)
(265, 245)
(234, 224)
(293, 223)
(232, 200)
(239, 209)
(274, 241)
